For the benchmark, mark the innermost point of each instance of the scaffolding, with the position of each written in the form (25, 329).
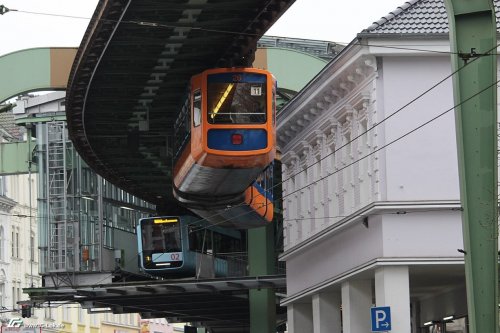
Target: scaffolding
(86, 226)
(61, 231)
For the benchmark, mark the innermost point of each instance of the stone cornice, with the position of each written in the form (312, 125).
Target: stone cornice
(339, 90)
(6, 204)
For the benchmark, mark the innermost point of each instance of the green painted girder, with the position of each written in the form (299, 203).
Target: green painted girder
(35, 70)
(261, 259)
(14, 158)
(473, 39)
(279, 61)
(33, 120)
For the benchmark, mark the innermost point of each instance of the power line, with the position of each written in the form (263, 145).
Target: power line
(366, 131)
(152, 24)
(388, 117)
(221, 31)
(378, 149)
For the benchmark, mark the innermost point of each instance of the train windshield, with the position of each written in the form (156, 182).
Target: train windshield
(161, 235)
(236, 98)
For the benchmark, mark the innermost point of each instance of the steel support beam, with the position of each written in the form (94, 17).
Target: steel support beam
(261, 259)
(473, 38)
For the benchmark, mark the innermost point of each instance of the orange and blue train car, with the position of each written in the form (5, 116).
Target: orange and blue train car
(225, 139)
(179, 246)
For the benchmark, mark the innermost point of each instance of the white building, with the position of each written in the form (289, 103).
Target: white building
(371, 198)
(6, 205)
(18, 241)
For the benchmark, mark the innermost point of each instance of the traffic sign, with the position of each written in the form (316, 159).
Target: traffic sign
(381, 318)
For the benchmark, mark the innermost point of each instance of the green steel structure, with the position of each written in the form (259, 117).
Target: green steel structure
(86, 226)
(35, 69)
(473, 39)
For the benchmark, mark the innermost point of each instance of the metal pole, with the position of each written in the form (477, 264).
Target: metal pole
(261, 258)
(32, 251)
(473, 39)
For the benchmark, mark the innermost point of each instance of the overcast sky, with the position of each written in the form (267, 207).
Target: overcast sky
(332, 20)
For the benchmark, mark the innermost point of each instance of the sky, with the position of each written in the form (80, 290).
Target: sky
(330, 20)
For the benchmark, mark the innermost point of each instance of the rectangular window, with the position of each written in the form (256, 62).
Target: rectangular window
(197, 108)
(17, 244)
(66, 316)
(80, 315)
(2, 295)
(182, 128)
(93, 319)
(32, 248)
(49, 313)
(2, 186)
(236, 98)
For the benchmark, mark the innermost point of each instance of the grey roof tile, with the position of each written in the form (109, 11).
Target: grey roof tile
(416, 17)
(7, 123)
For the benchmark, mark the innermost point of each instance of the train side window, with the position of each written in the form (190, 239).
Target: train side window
(275, 86)
(197, 108)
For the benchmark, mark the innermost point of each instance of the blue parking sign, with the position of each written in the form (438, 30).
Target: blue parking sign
(381, 318)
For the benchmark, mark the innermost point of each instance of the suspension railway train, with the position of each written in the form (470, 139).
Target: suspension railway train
(175, 246)
(225, 143)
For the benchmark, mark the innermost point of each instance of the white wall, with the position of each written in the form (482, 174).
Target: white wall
(422, 166)
(337, 254)
(423, 234)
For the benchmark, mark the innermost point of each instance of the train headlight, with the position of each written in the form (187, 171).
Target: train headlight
(148, 258)
(237, 139)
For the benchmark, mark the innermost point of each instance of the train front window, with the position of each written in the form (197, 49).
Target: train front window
(236, 98)
(161, 238)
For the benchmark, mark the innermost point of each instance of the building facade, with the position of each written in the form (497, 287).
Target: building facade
(86, 226)
(19, 259)
(49, 222)
(370, 184)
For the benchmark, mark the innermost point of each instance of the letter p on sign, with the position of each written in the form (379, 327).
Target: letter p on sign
(381, 319)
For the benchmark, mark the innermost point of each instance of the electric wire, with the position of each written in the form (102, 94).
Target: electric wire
(221, 31)
(378, 149)
(365, 132)
(371, 153)
(387, 144)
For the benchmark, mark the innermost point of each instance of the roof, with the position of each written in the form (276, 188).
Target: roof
(416, 17)
(7, 124)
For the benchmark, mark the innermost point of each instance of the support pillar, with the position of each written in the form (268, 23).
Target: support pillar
(300, 318)
(474, 47)
(261, 259)
(392, 288)
(356, 304)
(326, 313)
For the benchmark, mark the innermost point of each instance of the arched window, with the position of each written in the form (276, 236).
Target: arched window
(2, 244)
(2, 186)
(2, 289)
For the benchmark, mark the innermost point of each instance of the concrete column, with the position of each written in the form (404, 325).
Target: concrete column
(326, 313)
(356, 304)
(300, 318)
(392, 288)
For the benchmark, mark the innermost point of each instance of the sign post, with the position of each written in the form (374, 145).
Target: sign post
(381, 318)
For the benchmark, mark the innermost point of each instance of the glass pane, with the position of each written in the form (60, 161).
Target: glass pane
(163, 237)
(456, 326)
(197, 108)
(236, 98)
